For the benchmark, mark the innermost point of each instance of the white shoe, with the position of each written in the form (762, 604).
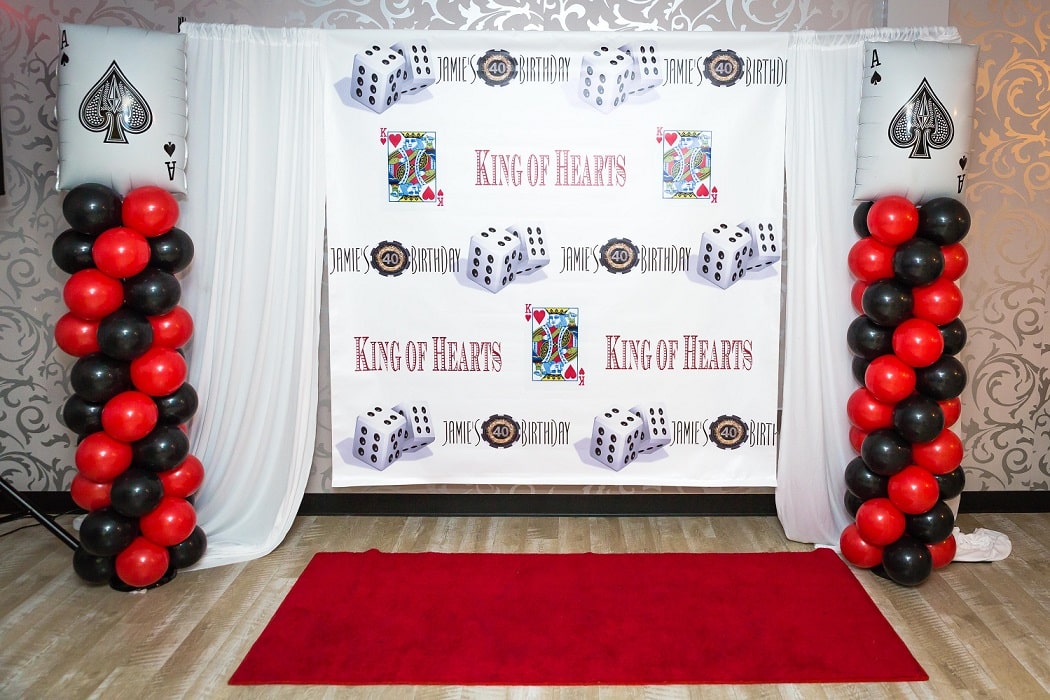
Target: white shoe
(981, 545)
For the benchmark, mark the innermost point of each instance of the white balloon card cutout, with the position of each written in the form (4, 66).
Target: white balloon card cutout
(916, 120)
(121, 108)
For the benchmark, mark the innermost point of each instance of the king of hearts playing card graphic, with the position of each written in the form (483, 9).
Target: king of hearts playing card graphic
(412, 165)
(555, 343)
(686, 164)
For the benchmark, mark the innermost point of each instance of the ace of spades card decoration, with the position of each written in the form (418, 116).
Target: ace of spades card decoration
(121, 108)
(916, 119)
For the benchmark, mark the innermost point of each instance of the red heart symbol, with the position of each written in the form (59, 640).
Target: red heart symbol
(428, 195)
(570, 373)
(539, 315)
(702, 190)
(670, 138)
(395, 139)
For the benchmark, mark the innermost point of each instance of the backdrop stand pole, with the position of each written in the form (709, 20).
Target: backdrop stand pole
(42, 518)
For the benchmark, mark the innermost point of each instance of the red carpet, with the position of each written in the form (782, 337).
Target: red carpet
(577, 619)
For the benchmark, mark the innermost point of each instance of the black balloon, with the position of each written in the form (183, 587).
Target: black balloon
(885, 451)
(190, 550)
(72, 251)
(162, 449)
(92, 208)
(860, 368)
(178, 407)
(943, 220)
(852, 503)
(106, 533)
(172, 251)
(81, 416)
(918, 418)
(868, 339)
(918, 261)
(954, 335)
(863, 482)
(136, 492)
(92, 568)
(98, 377)
(951, 484)
(907, 561)
(932, 526)
(944, 379)
(125, 334)
(887, 302)
(860, 219)
(152, 292)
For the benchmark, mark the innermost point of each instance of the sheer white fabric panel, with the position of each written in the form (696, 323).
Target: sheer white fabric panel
(255, 210)
(824, 84)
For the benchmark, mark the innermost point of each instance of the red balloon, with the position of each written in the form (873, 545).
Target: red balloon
(183, 480)
(92, 295)
(918, 342)
(173, 329)
(951, 408)
(856, 550)
(101, 457)
(889, 379)
(914, 490)
(941, 454)
(867, 412)
(879, 522)
(76, 336)
(943, 552)
(130, 416)
(120, 252)
(89, 495)
(956, 260)
(856, 437)
(870, 260)
(150, 210)
(158, 371)
(170, 522)
(939, 302)
(142, 563)
(856, 295)
(893, 219)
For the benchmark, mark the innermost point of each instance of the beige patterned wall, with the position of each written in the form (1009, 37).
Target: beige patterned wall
(1007, 402)
(1006, 410)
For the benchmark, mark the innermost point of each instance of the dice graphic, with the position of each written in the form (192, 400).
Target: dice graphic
(533, 248)
(765, 244)
(379, 437)
(417, 420)
(421, 74)
(378, 77)
(723, 254)
(656, 431)
(604, 78)
(492, 259)
(616, 437)
(645, 67)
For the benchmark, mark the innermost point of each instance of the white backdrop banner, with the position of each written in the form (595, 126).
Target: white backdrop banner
(554, 258)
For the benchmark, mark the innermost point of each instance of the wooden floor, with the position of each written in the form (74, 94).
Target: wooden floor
(980, 630)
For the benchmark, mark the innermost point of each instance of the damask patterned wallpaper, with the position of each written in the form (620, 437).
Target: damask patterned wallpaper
(1006, 425)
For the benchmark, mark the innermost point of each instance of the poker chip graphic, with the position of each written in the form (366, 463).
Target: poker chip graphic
(728, 432)
(723, 68)
(497, 67)
(389, 258)
(619, 255)
(500, 431)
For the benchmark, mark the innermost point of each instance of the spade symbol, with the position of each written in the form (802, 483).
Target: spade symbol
(65, 59)
(114, 106)
(922, 123)
(876, 78)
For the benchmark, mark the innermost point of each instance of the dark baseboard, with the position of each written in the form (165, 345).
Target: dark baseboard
(441, 504)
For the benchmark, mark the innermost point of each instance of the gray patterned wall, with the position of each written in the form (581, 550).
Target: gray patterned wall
(1007, 402)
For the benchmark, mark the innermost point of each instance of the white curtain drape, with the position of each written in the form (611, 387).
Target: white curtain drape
(824, 74)
(255, 209)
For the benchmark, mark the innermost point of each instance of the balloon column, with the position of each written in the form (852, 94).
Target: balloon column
(904, 343)
(131, 401)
